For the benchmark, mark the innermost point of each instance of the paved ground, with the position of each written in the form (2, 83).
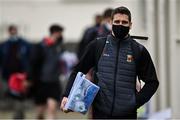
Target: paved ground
(7, 106)
(31, 115)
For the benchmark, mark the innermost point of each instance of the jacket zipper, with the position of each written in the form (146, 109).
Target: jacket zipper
(115, 76)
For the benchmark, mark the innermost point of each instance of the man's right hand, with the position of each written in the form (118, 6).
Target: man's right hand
(63, 103)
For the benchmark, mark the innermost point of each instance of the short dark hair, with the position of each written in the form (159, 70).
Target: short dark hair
(55, 28)
(12, 27)
(107, 13)
(121, 10)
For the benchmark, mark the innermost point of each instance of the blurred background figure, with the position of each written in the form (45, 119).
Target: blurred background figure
(68, 60)
(45, 72)
(14, 64)
(101, 29)
(89, 34)
(105, 27)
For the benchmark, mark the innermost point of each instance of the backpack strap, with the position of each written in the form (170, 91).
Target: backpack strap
(100, 43)
(137, 51)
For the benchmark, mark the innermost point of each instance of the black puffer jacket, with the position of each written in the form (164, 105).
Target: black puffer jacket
(117, 74)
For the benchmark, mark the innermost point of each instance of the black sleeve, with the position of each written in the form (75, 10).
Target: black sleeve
(81, 45)
(86, 62)
(147, 73)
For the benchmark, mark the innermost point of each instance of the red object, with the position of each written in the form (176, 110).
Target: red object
(16, 82)
(48, 41)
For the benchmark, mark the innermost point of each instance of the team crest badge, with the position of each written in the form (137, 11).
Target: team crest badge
(130, 58)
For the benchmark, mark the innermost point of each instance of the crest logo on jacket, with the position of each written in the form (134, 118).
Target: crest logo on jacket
(130, 58)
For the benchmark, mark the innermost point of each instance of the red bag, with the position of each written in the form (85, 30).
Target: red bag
(16, 82)
(48, 41)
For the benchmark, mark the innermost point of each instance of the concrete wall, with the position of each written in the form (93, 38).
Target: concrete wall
(34, 17)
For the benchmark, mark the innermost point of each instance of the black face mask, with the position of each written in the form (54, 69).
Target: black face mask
(59, 40)
(120, 31)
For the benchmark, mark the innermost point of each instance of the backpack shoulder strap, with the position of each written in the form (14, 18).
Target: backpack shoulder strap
(137, 51)
(100, 43)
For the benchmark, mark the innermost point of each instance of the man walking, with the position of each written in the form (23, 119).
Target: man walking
(121, 61)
